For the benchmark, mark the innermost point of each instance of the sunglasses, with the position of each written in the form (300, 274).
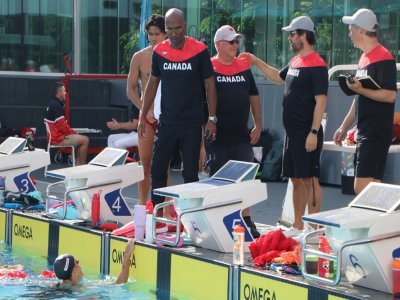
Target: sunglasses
(233, 42)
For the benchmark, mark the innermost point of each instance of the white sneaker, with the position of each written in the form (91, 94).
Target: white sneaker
(311, 240)
(293, 231)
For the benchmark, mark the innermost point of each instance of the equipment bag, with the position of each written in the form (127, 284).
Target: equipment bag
(272, 166)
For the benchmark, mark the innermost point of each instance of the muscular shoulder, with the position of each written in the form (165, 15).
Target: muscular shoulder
(142, 56)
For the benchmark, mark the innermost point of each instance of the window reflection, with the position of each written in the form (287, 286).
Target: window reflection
(34, 34)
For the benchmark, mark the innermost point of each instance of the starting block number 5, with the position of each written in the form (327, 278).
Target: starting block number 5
(235, 222)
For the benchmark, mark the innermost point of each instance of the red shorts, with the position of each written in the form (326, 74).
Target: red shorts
(152, 124)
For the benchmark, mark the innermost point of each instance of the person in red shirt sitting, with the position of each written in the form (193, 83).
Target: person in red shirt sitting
(61, 133)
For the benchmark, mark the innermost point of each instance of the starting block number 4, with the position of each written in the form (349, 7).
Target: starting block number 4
(116, 203)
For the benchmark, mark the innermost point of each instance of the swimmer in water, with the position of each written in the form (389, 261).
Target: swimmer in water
(11, 268)
(67, 268)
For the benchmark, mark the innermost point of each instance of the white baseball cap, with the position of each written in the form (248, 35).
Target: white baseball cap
(302, 23)
(364, 18)
(226, 33)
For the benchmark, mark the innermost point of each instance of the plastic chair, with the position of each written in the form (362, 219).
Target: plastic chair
(50, 146)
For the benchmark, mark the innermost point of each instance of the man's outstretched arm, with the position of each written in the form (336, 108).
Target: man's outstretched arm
(124, 274)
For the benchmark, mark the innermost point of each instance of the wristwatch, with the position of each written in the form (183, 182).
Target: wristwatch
(314, 131)
(213, 119)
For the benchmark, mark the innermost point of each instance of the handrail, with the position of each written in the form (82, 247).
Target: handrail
(177, 222)
(334, 69)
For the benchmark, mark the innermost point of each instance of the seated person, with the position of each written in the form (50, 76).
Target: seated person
(61, 133)
(67, 268)
(124, 140)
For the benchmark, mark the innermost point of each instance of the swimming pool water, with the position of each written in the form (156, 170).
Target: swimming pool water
(34, 286)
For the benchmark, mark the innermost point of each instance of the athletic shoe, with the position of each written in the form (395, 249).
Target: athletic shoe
(292, 232)
(161, 227)
(203, 176)
(298, 235)
(253, 229)
(311, 240)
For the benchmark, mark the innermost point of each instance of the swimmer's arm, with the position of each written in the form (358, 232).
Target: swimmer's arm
(124, 274)
(133, 81)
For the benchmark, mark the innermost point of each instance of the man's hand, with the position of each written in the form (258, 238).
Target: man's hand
(255, 135)
(124, 274)
(311, 142)
(150, 116)
(113, 124)
(247, 57)
(210, 131)
(141, 129)
(354, 84)
(338, 136)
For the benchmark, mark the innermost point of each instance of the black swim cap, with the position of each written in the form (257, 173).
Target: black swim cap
(63, 266)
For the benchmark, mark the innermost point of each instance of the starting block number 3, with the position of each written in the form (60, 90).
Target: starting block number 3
(24, 183)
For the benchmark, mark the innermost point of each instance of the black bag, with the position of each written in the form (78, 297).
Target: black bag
(272, 166)
(265, 143)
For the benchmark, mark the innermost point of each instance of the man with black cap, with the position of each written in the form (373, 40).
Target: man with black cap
(304, 101)
(67, 268)
(237, 96)
(373, 109)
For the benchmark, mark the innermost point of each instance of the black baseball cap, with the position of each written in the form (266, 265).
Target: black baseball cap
(63, 266)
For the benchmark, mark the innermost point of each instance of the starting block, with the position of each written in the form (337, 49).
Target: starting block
(364, 237)
(210, 209)
(107, 175)
(16, 164)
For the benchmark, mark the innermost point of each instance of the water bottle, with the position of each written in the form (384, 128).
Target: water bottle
(139, 216)
(323, 263)
(396, 277)
(149, 222)
(2, 189)
(95, 209)
(238, 245)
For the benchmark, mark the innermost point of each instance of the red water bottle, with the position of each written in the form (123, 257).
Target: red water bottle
(323, 263)
(396, 277)
(95, 209)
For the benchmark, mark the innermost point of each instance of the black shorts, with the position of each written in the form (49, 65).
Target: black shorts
(241, 152)
(370, 158)
(297, 162)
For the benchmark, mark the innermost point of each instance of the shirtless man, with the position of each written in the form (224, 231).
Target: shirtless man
(140, 69)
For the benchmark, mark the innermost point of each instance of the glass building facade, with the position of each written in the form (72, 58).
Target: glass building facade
(100, 36)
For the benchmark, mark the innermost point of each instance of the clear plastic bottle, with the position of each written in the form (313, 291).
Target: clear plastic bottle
(139, 216)
(238, 245)
(2, 189)
(149, 222)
